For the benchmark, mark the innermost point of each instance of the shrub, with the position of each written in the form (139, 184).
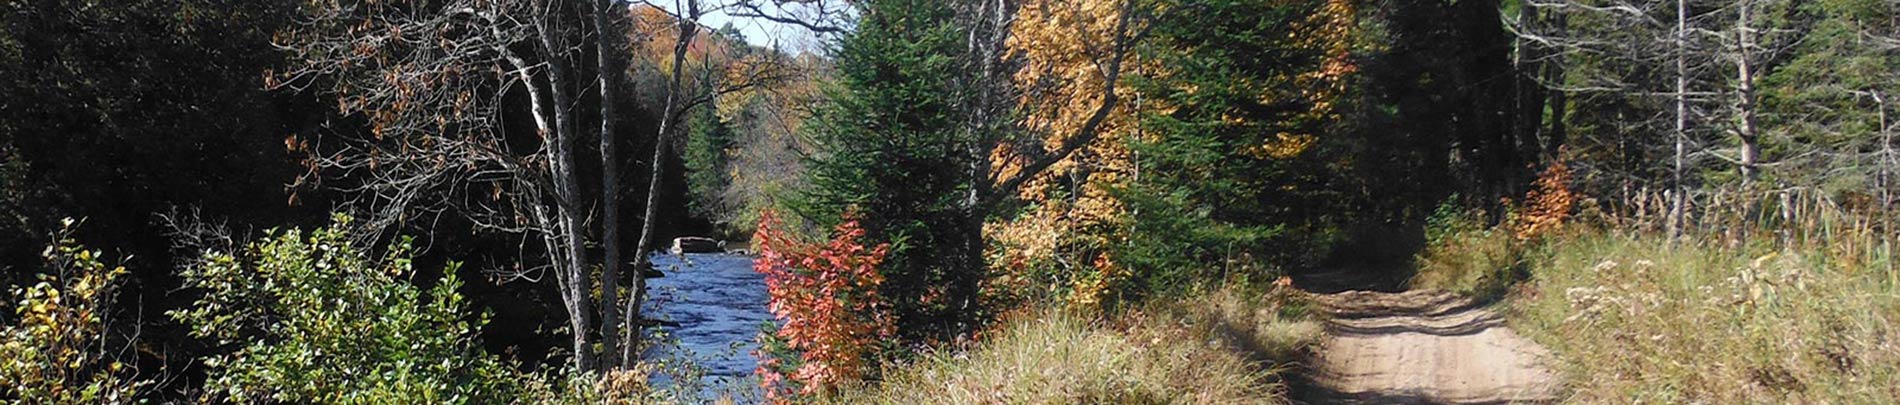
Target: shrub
(308, 317)
(58, 350)
(1463, 255)
(826, 295)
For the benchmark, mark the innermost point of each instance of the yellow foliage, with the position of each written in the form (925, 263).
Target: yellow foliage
(1072, 213)
(55, 354)
(1282, 146)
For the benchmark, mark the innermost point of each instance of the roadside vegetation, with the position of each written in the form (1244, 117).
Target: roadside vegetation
(1636, 317)
(1063, 201)
(1802, 308)
(1230, 346)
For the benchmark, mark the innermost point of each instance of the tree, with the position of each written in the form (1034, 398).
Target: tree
(889, 145)
(110, 112)
(1688, 69)
(1628, 59)
(1831, 102)
(434, 82)
(709, 140)
(1069, 215)
(921, 135)
(1230, 152)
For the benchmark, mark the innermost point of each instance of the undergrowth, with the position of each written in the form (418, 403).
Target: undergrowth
(1639, 319)
(1464, 256)
(1468, 255)
(1227, 346)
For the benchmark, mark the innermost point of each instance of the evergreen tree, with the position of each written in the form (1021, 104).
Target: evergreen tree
(889, 147)
(1228, 155)
(1837, 96)
(708, 137)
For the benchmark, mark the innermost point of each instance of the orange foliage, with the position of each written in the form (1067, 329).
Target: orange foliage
(1548, 205)
(826, 295)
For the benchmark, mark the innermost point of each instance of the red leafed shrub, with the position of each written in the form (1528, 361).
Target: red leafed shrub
(825, 295)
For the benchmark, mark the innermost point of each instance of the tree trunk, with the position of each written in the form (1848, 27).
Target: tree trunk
(1745, 96)
(688, 28)
(1676, 203)
(1527, 94)
(1557, 134)
(574, 287)
(605, 54)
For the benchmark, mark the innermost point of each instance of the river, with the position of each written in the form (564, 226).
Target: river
(718, 303)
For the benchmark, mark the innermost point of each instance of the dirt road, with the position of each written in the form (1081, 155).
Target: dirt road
(1422, 347)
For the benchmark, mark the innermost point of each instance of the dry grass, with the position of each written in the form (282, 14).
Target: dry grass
(1637, 319)
(1478, 263)
(1224, 347)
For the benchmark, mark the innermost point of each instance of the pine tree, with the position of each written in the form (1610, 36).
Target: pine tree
(1226, 153)
(889, 145)
(708, 137)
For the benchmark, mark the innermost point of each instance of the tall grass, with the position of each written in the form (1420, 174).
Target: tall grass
(1776, 296)
(1223, 347)
(1464, 256)
(1635, 318)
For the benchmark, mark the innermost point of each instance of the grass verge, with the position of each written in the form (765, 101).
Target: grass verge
(1226, 346)
(1638, 319)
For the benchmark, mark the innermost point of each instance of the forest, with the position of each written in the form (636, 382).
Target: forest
(949, 201)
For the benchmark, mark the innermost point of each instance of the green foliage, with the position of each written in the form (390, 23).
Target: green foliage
(1174, 244)
(1465, 256)
(1221, 181)
(708, 164)
(1831, 96)
(311, 318)
(889, 146)
(59, 350)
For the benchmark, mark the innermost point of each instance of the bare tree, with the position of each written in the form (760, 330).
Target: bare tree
(1663, 59)
(432, 80)
(604, 45)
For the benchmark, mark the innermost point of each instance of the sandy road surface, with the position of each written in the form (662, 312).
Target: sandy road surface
(1422, 347)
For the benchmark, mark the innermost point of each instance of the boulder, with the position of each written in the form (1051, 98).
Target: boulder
(695, 244)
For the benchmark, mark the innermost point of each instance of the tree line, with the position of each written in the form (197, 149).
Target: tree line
(1005, 153)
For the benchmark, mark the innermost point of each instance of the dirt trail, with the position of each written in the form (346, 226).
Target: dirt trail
(1422, 347)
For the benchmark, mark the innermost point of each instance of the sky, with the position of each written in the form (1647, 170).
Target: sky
(758, 31)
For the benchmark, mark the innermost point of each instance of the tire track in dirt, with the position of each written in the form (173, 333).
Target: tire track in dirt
(1421, 347)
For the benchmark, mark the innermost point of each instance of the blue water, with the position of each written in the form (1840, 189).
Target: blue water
(719, 303)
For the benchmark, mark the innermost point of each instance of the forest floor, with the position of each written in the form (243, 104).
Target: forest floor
(1422, 346)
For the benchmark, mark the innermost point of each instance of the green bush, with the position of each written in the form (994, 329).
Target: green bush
(307, 317)
(1463, 255)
